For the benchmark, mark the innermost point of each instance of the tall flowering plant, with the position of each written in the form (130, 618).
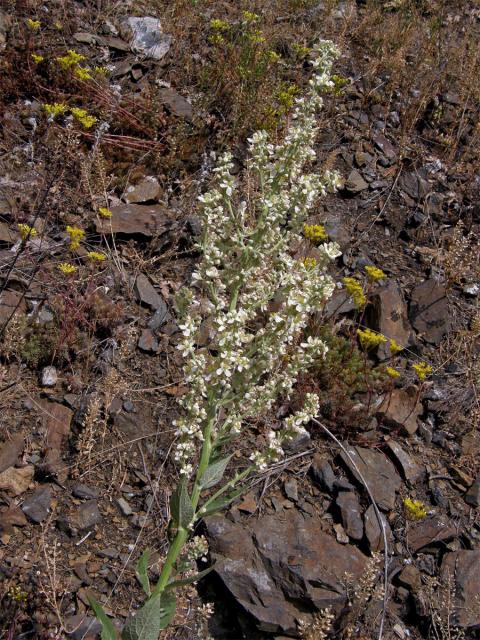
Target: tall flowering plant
(258, 299)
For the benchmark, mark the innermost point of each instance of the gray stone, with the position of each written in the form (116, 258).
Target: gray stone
(37, 506)
(85, 492)
(430, 530)
(87, 516)
(148, 342)
(136, 219)
(146, 293)
(291, 489)
(148, 37)
(355, 182)
(300, 442)
(410, 469)
(49, 377)
(350, 513)
(429, 311)
(124, 507)
(83, 627)
(388, 315)
(159, 318)
(401, 408)
(283, 560)
(146, 190)
(373, 532)
(378, 471)
(322, 472)
(472, 497)
(10, 451)
(414, 185)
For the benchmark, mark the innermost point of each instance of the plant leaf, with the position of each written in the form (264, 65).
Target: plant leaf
(181, 505)
(108, 630)
(142, 572)
(198, 576)
(214, 473)
(155, 615)
(221, 502)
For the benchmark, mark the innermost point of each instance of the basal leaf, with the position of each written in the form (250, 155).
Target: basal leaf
(108, 630)
(155, 615)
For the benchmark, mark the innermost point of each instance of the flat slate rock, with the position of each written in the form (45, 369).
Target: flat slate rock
(429, 311)
(37, 506)
(388, 314)
(283, 561)
(430, 530)
(136, 219)
(401, 408)
(10, 450)
(379, 473)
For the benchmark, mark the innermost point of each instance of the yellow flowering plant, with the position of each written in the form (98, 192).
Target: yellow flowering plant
(37, 58)
(26, 231)
(104, 212)
(54, 109)
(67, 268)
(96, 256)
(355, 290)
(83, 117)
(374, 273)
(76, 236)
(33, 25)
(370, 339)
(394, 347)
(70, 59)
(414, 509)
(422, 369)
(392, 373)
(315, 233)
(82, 73)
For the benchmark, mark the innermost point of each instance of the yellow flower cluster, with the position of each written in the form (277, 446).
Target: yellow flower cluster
(103, 212)
(76, 236)
(370, 339)
(250, 16)
(309, 263)
(55, 108)
(37, 58)
(374, 273)
(87, 121)
(67, 268)
(70, 59)
(422, 369)
(393, 373)
(339, 83)
(96, 256)
(355, 290)
(273, 56)
(219, 25)
(82, 73)
(26, 231)
(315, 233)
(414, 509)
(16, 594)
(394, 347)
(34, 25)
(301, 50)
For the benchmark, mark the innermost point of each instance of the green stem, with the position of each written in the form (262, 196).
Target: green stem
(204, 462)
(172, 555)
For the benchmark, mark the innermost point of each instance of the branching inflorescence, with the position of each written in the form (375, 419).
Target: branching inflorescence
(258, 298)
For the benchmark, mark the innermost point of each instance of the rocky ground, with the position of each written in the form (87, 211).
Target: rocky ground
(89, 372)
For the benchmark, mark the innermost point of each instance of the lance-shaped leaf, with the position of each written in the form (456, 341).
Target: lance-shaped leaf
(198, 576)
(142, 572)
(220, 503)
(214, 473)
(108, 630)
(181, 506)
